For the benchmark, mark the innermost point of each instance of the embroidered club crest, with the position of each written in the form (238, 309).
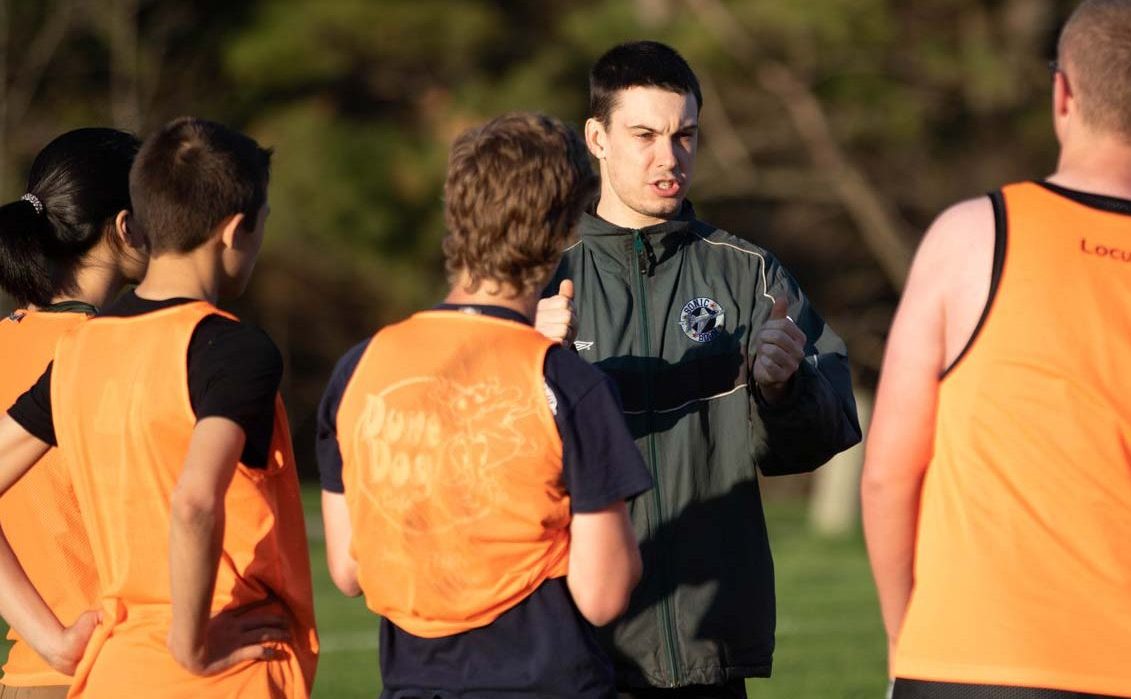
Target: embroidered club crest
(702, 319)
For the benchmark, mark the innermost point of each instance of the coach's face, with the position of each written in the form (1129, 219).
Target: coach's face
(647, 155)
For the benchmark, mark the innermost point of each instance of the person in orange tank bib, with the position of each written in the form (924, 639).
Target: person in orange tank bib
(66, 249)
(474, 471)
(997, 482)
(167, 417)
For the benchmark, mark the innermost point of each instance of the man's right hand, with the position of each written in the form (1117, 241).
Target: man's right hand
(556, 318)
(231, 637)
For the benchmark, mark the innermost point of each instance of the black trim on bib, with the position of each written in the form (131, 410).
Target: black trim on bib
(1102, 202)
(1001, 234)
(922, 689)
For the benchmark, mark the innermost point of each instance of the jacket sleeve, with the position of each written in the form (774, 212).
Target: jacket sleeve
(817, 418)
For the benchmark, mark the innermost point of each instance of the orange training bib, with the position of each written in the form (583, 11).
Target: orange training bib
(452, 471)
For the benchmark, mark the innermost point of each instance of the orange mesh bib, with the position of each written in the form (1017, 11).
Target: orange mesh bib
(39, 513)
(124, 420)
(452, 471)
(1023, 558)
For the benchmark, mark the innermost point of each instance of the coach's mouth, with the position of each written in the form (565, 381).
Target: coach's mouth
(666, 188)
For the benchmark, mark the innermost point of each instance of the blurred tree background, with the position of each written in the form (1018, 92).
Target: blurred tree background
(832, 130)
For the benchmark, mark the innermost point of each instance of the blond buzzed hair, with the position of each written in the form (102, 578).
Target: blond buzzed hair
(1095, 50)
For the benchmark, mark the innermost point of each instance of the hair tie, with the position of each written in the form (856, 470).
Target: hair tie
(34, 201)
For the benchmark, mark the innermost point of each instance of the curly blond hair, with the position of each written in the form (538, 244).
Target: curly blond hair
(515, 189)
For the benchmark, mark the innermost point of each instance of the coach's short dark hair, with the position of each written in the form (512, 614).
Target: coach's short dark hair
(638, 64)
(190, 176)
(516, 187)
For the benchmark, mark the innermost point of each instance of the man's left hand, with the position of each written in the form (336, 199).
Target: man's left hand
(779, 348)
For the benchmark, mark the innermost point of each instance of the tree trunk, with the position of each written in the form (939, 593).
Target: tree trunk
(876, 220)
(125, 101)
(834, 506)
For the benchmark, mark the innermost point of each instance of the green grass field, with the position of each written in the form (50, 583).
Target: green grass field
(830, 640)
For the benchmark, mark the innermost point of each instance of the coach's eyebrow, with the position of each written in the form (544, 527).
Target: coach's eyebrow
(693, 126)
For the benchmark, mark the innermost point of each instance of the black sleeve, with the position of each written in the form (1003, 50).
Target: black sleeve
(326, 433)
(234, 370)
(601, 464)
(817, 417)
(32, 410)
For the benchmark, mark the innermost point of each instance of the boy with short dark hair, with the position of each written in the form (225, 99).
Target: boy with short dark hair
(474, 472)
(167, 416)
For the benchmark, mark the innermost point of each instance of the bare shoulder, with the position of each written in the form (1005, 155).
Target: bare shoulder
(958, 228)
(954, 267)
(955, 246)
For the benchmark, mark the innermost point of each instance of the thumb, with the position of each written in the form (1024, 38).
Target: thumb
(87, 621)
(781, 309)
(566, 288)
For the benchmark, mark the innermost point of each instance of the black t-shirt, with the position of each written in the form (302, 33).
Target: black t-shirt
(234, 371)
(541, 646)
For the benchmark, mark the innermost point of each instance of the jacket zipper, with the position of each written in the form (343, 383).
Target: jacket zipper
(665, 603)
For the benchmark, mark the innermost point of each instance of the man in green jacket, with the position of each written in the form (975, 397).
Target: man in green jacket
(723, 367)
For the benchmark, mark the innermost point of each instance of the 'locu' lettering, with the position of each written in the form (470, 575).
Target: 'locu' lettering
(1117, 254)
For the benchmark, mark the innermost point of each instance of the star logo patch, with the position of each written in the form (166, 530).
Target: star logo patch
(702, 319)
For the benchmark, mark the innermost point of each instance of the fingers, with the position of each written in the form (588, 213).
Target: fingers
(566, 288)
(549, 315)
(779, 350)
(779, 347)
(555, 303)
(233, 640)
(558, 329)
(788, 339)
(262, 629)
(555, 317)
(772, 370)
(254, 652)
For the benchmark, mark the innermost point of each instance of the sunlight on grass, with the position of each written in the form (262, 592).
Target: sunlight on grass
(830, 642)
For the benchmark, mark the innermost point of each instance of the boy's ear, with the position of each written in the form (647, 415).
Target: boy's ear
(127, 233)
(230, 230)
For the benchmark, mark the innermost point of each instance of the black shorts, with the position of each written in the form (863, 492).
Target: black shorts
(921, 689)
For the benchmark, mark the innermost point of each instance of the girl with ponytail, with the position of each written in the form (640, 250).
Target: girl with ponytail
(67, 239)
(65, 250)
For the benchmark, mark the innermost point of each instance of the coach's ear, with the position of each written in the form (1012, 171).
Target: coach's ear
(595, 138)
(232, 232)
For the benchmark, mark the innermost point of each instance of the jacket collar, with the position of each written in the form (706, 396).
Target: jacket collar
(662, 239)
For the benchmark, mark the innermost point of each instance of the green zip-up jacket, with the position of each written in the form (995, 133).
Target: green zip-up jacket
(670, 313)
